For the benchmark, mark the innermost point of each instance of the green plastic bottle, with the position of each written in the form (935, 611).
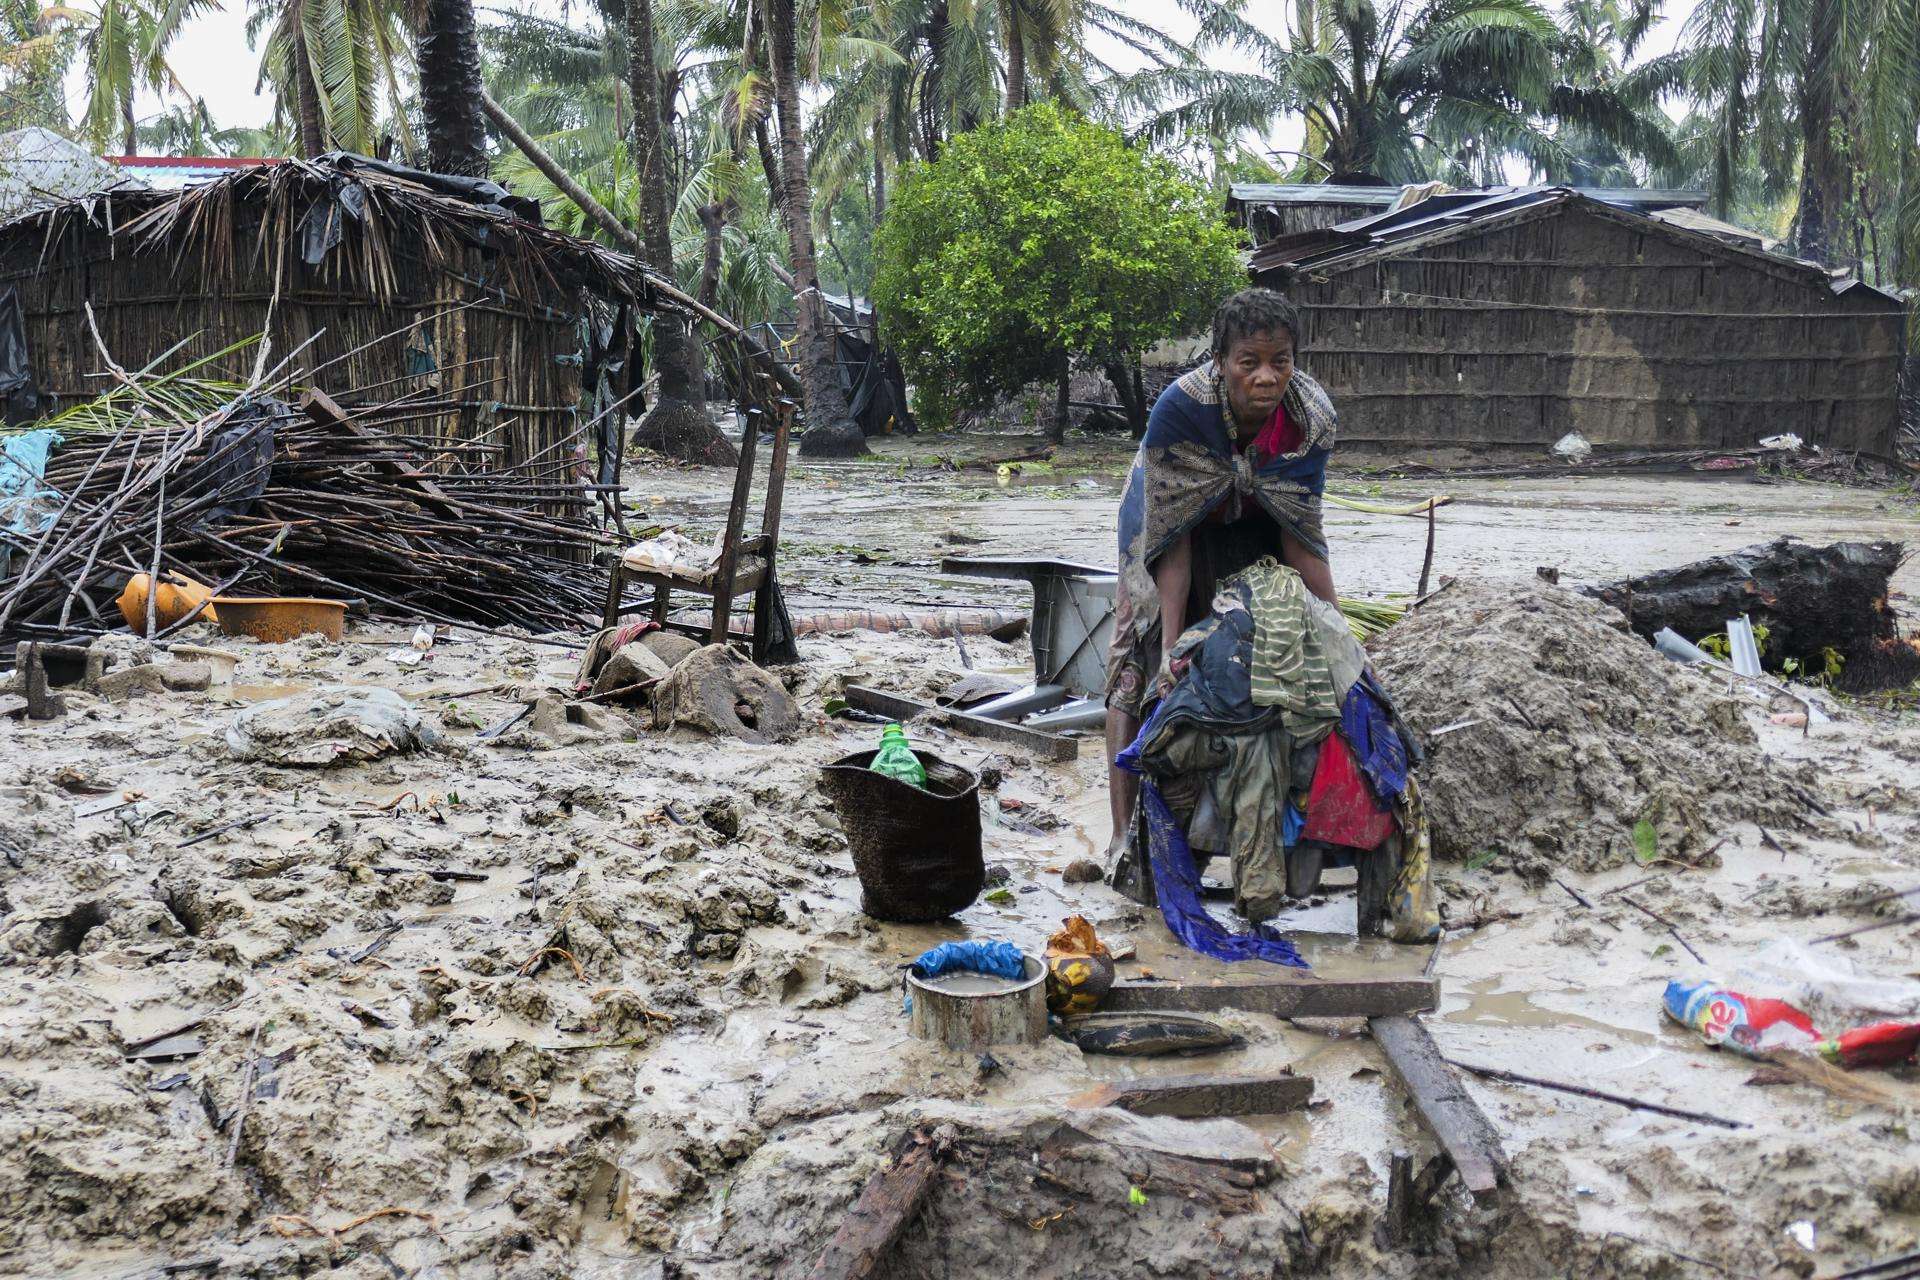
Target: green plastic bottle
(896, 760)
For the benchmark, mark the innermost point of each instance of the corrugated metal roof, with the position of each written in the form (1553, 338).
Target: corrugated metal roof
(1311, 193)
(1254, 193)
(1347, 245)
(176, 173)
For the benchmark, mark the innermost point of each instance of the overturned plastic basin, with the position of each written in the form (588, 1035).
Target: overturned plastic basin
(277, 619)
(968, 1010)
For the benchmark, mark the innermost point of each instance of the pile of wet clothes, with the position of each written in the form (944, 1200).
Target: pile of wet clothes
(1276, 733)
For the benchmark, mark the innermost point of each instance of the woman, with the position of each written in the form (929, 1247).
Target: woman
(1231, 470)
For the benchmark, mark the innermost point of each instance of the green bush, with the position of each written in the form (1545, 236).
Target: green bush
(1039, 238)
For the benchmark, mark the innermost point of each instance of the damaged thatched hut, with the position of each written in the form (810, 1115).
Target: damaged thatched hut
(1514, 317)
(383, 280)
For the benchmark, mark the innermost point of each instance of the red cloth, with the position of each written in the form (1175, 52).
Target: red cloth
(1279, 436)
(1341, 806)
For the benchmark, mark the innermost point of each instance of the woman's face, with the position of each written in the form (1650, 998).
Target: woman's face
(1256, 369)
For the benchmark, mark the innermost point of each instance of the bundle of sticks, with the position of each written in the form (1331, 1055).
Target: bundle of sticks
(251, 494)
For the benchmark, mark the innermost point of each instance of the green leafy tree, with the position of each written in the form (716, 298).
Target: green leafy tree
(1040, 241)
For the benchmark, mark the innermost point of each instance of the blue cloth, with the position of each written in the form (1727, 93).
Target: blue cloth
(1377, 746)
(28, 506)
(1292, 823)
(1176, 882)
(995, 959)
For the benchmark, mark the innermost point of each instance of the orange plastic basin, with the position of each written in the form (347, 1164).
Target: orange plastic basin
(277, 619)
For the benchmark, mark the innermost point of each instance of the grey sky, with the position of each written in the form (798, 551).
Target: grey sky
(214, 62)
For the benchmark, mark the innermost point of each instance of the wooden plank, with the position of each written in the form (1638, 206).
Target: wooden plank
(1202, 1095)
(321, 408)
(1303, 997)
(886, 1204)
(1047, 746)
(1445, 1108)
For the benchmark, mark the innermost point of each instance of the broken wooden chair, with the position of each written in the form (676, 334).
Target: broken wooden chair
(745, 567)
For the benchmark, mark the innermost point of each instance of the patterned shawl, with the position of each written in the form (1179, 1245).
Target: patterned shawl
(1186, 466)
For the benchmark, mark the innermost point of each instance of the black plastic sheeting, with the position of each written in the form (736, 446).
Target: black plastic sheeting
(239, 458)
(17, 392)
(875, 386)
(324, 225)
(607, 370)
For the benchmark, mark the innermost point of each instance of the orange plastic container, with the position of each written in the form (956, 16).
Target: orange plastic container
(277, 619)
(178, 597)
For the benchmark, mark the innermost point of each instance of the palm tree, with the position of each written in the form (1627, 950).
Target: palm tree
(123, 48)
(831, 430)
(1830, 88)
(35, 49)
(1414, 90)
(330, 63)
(448, 54)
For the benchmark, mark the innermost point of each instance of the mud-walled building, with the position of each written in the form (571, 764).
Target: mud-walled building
(1511, 318)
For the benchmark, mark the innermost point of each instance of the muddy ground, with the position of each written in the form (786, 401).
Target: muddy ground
(645, 1032)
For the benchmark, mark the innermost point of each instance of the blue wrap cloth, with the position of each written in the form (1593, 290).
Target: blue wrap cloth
(1377, 746)
(1187, 467)
(995, 959)
(1176, 882)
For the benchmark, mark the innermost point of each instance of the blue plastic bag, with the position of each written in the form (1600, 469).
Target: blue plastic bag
(996, 959)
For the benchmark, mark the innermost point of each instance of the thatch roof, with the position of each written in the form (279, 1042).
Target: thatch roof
(349, 205)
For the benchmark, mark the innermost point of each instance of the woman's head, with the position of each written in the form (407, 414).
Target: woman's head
(1255, 337)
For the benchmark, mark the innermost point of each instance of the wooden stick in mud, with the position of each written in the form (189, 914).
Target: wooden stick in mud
(1202, 1095)
(1657, 917)
(1426, 565)
(1618, 1099)
(886, 1204)
(1909, 918)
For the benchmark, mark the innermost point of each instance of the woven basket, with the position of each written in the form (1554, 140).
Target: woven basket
(917, 851)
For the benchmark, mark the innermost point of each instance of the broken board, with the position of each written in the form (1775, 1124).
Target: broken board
(1443, 1104)
(1202, 1095)
(1303, 997)
(1045, 746)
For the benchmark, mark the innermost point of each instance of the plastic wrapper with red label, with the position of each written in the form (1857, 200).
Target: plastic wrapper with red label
(1756, 1025)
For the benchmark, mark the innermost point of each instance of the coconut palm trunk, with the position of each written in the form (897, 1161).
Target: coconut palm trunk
(1823, 165)
(832, 432)
(449, 56)
(1016, 56)
(677, 425)
(307, 113)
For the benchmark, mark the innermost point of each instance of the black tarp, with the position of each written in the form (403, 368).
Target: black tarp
(875, 385)
(17, 394)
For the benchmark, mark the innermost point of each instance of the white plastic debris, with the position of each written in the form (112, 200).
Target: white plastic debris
(1785, 440)
(423, 637)
(672, 552)
(1802, 1233)
(1572, 447)
(1744, 645)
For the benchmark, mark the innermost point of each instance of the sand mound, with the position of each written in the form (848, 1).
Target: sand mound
(1584, 733)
